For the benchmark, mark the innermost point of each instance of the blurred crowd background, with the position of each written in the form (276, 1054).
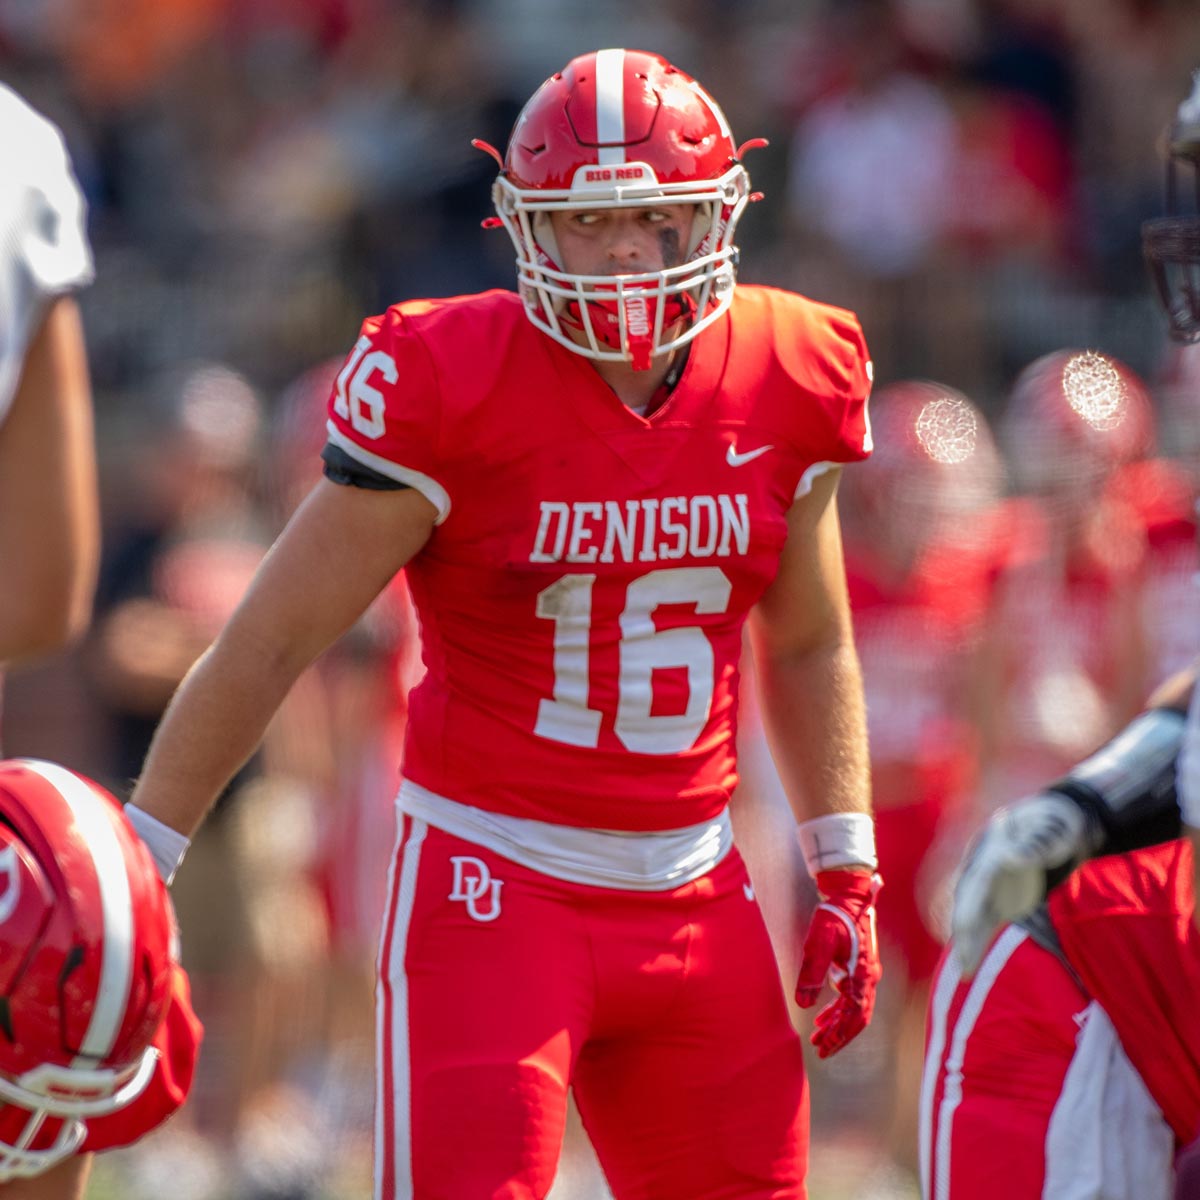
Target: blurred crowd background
(968, 175)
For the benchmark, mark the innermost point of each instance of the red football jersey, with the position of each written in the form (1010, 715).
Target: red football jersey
(582, 597)
(1125, 922)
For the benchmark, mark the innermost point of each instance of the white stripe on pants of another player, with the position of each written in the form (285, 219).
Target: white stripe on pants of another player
(393, 946)
(993, 963)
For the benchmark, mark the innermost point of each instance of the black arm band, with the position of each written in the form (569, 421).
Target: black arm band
(341, 468)
(1127, 788)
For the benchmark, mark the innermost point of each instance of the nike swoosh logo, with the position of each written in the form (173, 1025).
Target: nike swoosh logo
(734, 459)
(748, 888)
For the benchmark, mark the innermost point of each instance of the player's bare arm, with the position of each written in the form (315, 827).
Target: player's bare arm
(815, 718)
(808, 668)
(335, 556)
(50, 527)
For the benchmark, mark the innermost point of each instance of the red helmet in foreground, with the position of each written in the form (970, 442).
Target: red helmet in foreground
(85, 955)
(622, 129)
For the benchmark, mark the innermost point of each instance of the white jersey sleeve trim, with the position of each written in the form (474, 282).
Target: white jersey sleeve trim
(427, 486)
(814, 472)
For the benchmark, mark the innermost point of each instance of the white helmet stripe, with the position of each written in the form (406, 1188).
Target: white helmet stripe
(713, 107)
(610, 106)
(116, 962)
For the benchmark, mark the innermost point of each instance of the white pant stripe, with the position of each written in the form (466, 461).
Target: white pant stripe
(989, 970)
(939, 1011)
(402, 884)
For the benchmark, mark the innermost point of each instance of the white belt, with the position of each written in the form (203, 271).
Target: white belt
(634, 861)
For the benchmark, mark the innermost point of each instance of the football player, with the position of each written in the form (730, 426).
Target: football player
(594, 484)
(1063, 1053)
(97, 1038)
(49, 511)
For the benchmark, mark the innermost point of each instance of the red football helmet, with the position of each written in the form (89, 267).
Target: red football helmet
(1073, 417)
(622, 129)
(1171, 243)
(85, 958)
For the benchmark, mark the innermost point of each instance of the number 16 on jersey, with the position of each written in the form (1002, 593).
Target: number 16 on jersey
(643, 649)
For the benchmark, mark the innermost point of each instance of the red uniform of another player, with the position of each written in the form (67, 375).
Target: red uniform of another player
(1067, 1076)
(1125, 924)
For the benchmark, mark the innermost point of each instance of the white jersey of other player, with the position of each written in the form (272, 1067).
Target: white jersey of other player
(43, 242)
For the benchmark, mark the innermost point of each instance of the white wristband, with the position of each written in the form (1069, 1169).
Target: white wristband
(167, 846)
(838, 840)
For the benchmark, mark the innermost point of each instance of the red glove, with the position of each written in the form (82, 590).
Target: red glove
(841, 944)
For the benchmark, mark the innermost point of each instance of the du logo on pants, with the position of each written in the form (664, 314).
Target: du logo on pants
(472, 882)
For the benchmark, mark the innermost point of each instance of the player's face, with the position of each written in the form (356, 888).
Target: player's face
(622, 241)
